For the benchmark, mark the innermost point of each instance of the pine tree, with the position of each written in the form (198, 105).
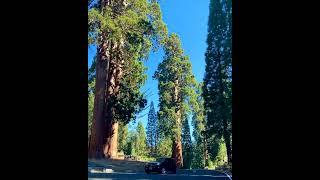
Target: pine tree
(90, 112)
(122, 136)
(124, 32)
(164, 147)
(186, 144)
(130, 145)
(151, 129)
(199, 123)
(91, 84)
(156, 134)
(197, 156)
(141, 144)
(217, 81)
(176, 84)
(217, 151)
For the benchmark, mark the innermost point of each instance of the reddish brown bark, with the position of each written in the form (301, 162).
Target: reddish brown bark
(111, 145)
(177, 152)
(97, 131)
(104, 133)
(177, 144)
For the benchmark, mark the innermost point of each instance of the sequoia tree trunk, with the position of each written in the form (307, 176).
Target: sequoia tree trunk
(104, 133)
(177, 144)
(109, 113)
(97, 130)
(177, 152)
(111, 145)
(114, 141)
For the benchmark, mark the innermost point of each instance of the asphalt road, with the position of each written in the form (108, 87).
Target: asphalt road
(144, 176)
(141, 175)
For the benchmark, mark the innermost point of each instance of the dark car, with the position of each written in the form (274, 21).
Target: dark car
(162, 165)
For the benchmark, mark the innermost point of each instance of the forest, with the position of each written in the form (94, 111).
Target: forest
(125, 32)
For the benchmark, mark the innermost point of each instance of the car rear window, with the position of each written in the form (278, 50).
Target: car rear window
(161, 159)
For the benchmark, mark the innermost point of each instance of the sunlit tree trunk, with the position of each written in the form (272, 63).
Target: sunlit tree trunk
(177, 144)
(112, 143)
(96, 141)
(115, 74)
(177, 152)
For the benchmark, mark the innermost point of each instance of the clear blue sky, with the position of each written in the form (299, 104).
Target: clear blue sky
(189, 20)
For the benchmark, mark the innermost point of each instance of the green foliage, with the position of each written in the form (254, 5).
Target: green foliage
(141, 145)
(122, 137)
(90, 112)
(147, 159)
(197, 158)
(152, 128)
(138, 22)
(217, 90)
(136, 144)
(127, 104)
(186, 145)
(164, 147)
(176, 83)
(198, 120)
(92, 75)
(130, 146)
(90, 99)
(139, 25)
(217, 151)
(198, 123)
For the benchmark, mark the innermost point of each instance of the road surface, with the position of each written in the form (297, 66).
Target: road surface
(119, 170)
(144, 176)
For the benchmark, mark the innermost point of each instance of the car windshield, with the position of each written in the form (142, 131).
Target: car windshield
(161, 159)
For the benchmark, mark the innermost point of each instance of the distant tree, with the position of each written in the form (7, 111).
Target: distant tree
(197, 157)
(140, 144)
(186, 144)
(92, 75)
(198, 119)
(128, 150)
(198, 123)
(122, 136)
(91, 84)
(90, 112)
(151, 129)
(164, 147)
(157, 134)
(131, 144)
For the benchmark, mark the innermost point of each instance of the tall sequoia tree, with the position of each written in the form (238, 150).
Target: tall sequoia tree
(217, 81)
(124, 31)
(176, 90)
